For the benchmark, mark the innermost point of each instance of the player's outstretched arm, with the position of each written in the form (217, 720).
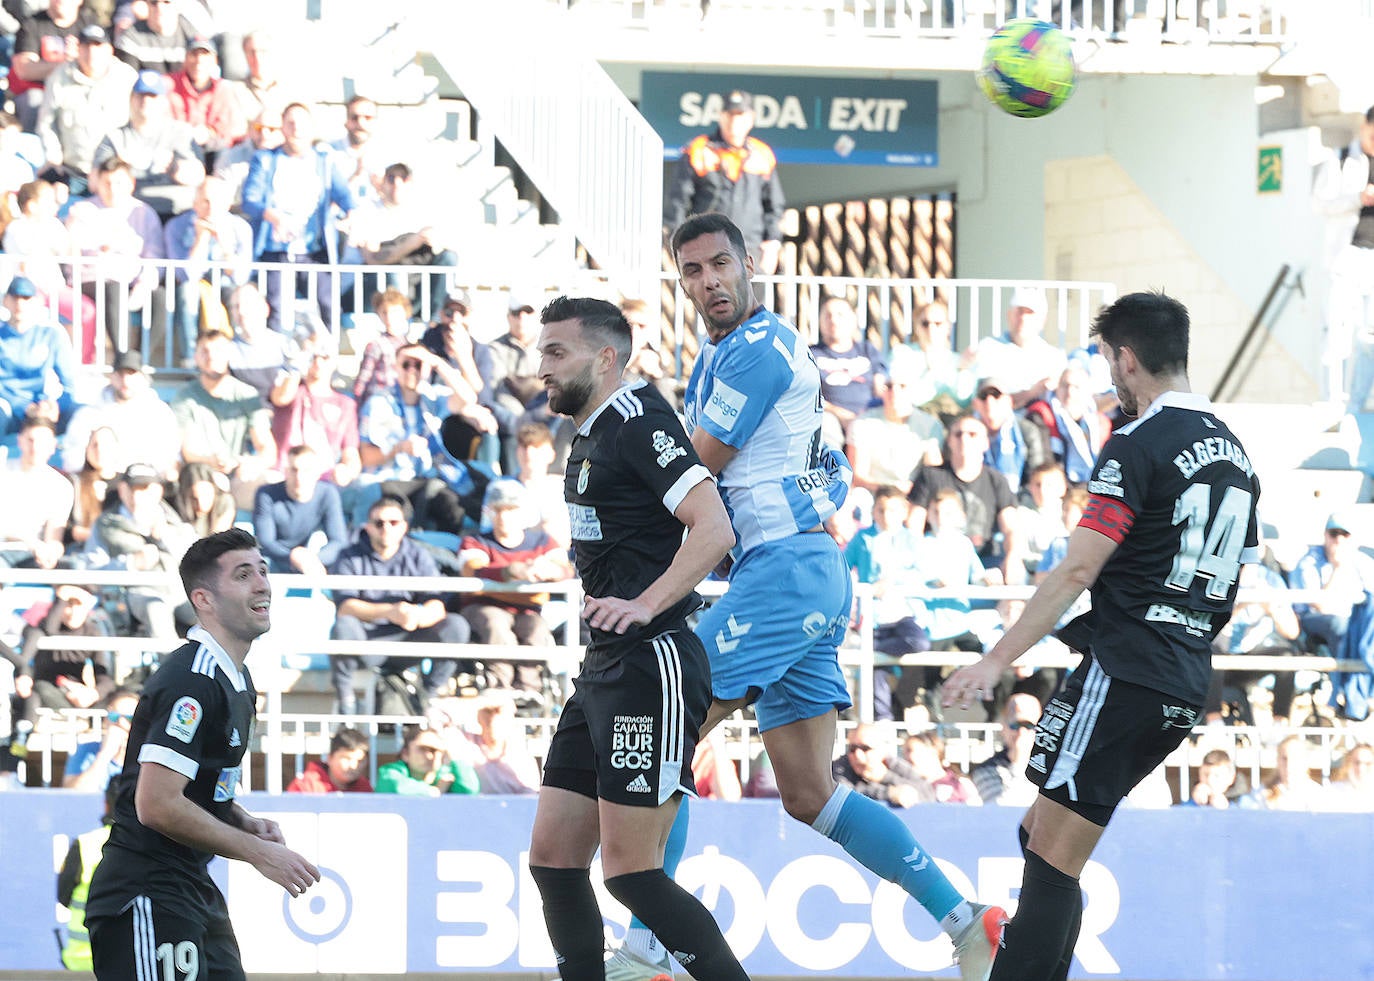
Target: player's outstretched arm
(162, 805)
(1087, 553)
(709, 537)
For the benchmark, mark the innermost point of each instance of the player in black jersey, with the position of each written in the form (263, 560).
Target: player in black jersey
(622, 754)
(153, 911)
(1171, 519)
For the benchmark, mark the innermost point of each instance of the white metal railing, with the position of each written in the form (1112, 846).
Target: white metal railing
(1218, 21)
(570, 128)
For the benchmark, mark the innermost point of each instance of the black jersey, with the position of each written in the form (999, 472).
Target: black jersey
(195, 717)
(1176, 491)
(630, 466)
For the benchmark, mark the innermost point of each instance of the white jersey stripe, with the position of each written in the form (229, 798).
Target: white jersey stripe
(671, 736)
(1080, 730)
(204, 662)
(145, 941)
(628, 405)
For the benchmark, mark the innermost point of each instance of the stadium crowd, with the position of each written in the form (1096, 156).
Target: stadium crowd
(148, 130)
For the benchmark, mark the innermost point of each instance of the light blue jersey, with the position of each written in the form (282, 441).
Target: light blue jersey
(759, 391)
(774, 635)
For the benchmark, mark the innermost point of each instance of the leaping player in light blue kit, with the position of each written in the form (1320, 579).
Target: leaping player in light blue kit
(753, 409)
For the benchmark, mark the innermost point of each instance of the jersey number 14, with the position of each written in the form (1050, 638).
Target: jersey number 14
(1211, 544)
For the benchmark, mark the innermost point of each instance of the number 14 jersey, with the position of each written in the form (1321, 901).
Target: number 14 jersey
(1177, 493)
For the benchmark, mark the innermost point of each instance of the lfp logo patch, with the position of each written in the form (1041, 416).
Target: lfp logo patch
(185, 718)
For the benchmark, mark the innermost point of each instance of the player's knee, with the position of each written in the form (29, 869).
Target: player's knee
(804, 803)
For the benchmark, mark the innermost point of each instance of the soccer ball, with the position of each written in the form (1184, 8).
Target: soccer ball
(1028, 68)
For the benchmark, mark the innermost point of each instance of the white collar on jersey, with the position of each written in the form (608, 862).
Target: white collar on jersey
(199, 635)
(1193, 401)
(586, 427)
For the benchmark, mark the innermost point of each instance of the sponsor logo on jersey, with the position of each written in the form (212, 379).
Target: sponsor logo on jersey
(1107, 480)
(666, 447)
(639, 785)
(632, 742)
(234, 739)
(813, 624)
(1180, 716)
(227, 783)
(582, 476)
(1037, 762)
(185, 718)
(683, 958)
(1196, 622)
(583, 523)
(724, 405)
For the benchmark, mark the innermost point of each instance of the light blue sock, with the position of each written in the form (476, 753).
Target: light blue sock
(884, 845)
(639, 938)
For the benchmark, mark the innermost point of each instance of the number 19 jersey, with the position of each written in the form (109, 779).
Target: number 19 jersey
(1177, 493)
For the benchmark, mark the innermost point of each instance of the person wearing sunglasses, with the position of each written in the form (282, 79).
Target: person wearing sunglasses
(870, 766)
(98, 760)
(1001, 778)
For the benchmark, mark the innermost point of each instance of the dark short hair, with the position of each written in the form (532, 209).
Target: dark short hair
(358, 97)
(201, 561)
(397, 171)
(709, 224)
(1151, 324)
(111, 164)
(392, 501)
(602, 320)
(1369, 115)
(347, 738)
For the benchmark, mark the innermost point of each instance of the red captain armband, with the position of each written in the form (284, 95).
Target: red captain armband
(1107, 516)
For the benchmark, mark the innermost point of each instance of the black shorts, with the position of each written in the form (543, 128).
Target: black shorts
(628, 733)
(161, 937)
(1100, 736)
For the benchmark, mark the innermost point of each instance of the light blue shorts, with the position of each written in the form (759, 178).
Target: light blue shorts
(778, 629)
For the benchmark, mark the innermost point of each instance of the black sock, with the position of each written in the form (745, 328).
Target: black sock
(573, 920)
(680, 922)
(1033, 943)
(1061, 973)
(1023, 836)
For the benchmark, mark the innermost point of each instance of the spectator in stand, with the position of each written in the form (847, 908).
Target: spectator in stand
(1343, 573)
(21, 154)
(62, 679)
(377, 369)
(344, 770)
(1042, 682)
(308, 411)
(40, 242)
(233, 164)
(941, 381)
(94, 484)
(383, 549)
(1029, 363)
(120, 231)
(1016, 446)
(299, 523)
(1001, 779)
(1042, 521)
(947, 559)
(512, 551)
(144, 425)
(398, 431)
(159, 42)
(44, 42)
(852, 369)
(870, 767)
(1290, 787)
(534, 454)
(425, 768)
(258, 354)
(888, 444)
(223, 421)
(1216, 778)
(167, 164)
(989, 505)
(1268, 626)
(38, 370)
(206, 235)
(203, 501)
(516, 355)
(361, 158)
(713, 771)
(95, 762)
(264, 91)
(38, 500)
(145, 534)
(83, 100)
(501, 759)
(450, 337)
(647, 361)
(1352, 782)
(1074, 430)
(736, 174)
(206, 102)
(399, 229)
(290, 197)
(925, 751)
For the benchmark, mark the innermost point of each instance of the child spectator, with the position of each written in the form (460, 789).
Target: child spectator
(344, 770)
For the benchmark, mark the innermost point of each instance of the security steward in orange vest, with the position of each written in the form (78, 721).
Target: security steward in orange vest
(736, 174)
